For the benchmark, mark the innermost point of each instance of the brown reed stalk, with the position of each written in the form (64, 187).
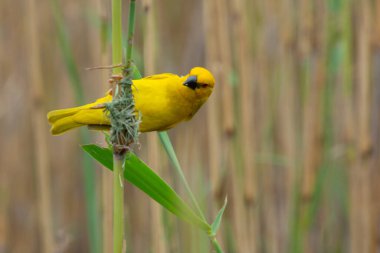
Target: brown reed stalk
(212, 62)
(363, 75)
(313, 147)
(224, 45)
(376, 120)
(347, 93)
(37, 97)
(311, 113)
(224, 35)
(360, 216)
(312, 132)
(261, 117)
(286, 118)
(244, 67)
(312, 81)
(240, 27)
(157, 232)
(4, 182)
(4, 203)
(348, 125)
(376, 18)
(268, 95)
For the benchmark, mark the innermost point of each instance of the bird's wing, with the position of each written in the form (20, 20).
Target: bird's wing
(159, 76)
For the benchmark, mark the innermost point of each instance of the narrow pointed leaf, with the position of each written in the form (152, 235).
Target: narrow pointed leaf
(135, 72)
(169, 148)
(140, 175)
(216, 224)
(167, 144)
(102, 155)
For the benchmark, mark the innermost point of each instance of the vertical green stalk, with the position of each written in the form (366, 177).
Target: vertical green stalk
(121, 138)
(118, 204)
(117, 49)
(118, 189)
(216, 245)
(131, 31)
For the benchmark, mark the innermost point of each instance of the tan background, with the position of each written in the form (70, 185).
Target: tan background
(291, 134)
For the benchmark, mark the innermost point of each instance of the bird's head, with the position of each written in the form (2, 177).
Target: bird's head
(196, 87)
(199, 83)
(199, 79)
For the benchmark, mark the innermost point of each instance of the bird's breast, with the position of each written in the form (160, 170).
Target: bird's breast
(161, 105)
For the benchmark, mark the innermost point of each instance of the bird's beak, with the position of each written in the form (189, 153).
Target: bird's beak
(191, 82)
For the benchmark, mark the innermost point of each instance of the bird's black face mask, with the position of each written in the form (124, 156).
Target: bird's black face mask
(191, 82)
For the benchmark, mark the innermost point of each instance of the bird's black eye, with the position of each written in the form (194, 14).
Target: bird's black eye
(191, 82)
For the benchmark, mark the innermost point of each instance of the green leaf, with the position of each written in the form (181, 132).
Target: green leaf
(164, 137)
(140, 175)
(216, 224)
(102, 155)
(135, 72)
(167, 144)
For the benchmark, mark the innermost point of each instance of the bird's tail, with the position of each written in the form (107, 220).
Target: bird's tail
(63, 120)
(91, 114)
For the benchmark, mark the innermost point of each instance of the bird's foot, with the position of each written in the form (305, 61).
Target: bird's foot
(115, 79)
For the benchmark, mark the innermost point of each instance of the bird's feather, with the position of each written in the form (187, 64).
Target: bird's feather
(162, 101)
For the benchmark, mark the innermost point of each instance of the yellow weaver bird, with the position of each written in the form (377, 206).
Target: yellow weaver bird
(163, 101)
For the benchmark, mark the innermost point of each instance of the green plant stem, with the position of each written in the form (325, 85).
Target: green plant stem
(117, 49)
(118, 204)
(119, 154)
(165, 140)
(131, 31)
(216, 245)
(118, 189)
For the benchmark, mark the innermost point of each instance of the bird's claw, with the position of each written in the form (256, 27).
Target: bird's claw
(115, 78)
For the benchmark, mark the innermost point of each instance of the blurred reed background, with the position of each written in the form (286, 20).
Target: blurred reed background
(291, 134)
